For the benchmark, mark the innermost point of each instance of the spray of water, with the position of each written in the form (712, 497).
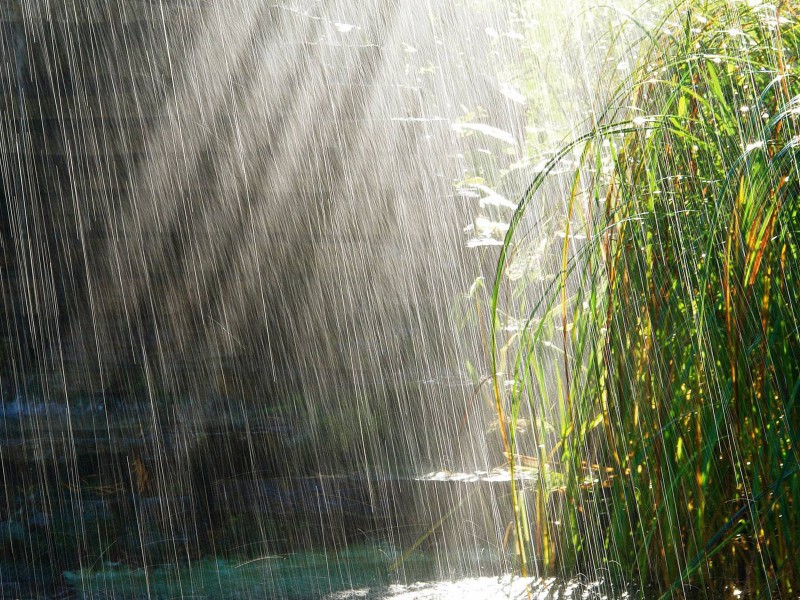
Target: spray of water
(245, 249)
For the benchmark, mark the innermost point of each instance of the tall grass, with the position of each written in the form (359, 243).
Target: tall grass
(666, 428)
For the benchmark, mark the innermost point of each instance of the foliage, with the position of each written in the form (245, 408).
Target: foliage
(674, 319)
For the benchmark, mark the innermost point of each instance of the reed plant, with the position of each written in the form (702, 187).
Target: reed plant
(661, 367)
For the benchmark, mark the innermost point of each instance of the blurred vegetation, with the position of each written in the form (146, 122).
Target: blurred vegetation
(669, 410)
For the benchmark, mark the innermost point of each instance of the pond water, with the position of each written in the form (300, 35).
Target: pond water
(356, 572)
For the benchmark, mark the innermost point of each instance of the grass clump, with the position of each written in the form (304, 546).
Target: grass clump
(669, 411)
